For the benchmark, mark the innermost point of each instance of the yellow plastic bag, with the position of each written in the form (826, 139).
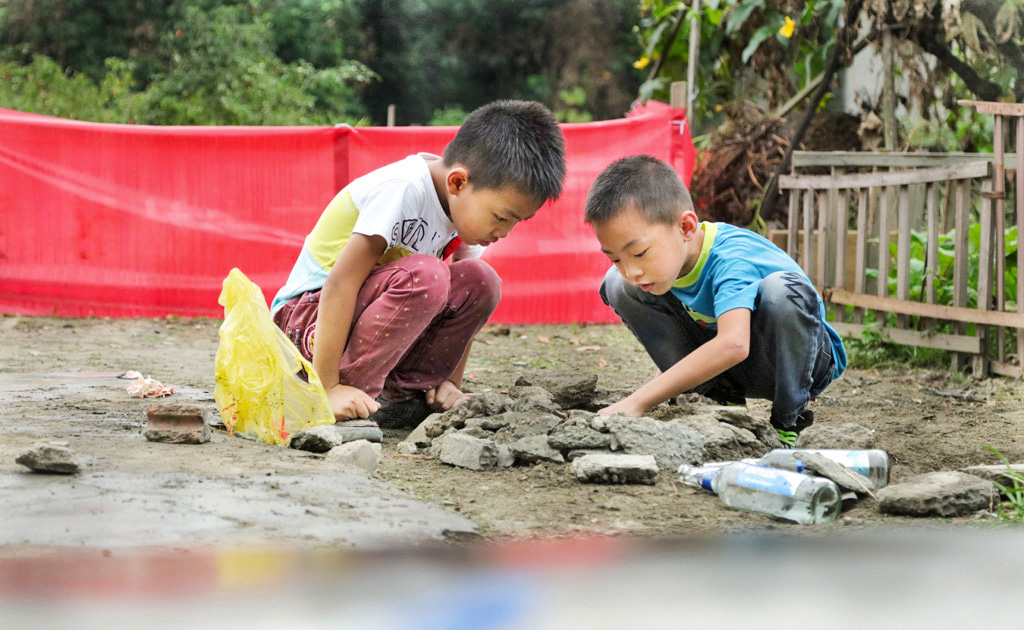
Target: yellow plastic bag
(259, 391)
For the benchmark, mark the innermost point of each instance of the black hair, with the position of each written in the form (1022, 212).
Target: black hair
(511, 143)
(638, 181)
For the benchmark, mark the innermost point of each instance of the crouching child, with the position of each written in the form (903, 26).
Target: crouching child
(722, 311)
(371, 302)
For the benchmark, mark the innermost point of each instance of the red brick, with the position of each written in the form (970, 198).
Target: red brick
(177, 423)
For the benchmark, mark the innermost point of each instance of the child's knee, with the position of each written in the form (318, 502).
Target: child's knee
(614, 288)
(478, 281)
(430, 281)
(785, 293)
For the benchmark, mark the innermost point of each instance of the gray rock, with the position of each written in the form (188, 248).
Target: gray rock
(488, 423)
(316, 439)
(616, 468)
(738, 417)
(943, 494)
(418, 436)
(671, 443)
(535, 449)
(577, 453)
(841, 475)
(484, 404)
(532, 398)
(505, 456)
(568, 389)
(722, 441)
(467, 451)
(323, 438)
(49, 458)
(359, 453)
(525, 424)
(576, 433)
(407, 448)
(846, 436)
(998, 473)
(477, 432)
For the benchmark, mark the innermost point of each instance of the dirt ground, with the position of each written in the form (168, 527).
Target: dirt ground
(922, 431)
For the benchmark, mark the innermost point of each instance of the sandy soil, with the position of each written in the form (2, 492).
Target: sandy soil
(921, 431)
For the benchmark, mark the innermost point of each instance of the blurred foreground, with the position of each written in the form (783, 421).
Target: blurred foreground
(921, 579)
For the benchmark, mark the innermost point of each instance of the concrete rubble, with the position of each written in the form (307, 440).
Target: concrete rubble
(323, 438)
(943, 494)
(55, 458)
(532, 424)
(359, 453)
(614, 468)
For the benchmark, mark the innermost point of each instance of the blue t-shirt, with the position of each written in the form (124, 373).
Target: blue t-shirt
(731, 265)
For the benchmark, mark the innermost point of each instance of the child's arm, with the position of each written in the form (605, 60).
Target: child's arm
(729, 347)
(449, 393)
(334, 322)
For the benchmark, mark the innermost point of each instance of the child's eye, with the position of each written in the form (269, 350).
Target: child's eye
(500, 219)
(640, 255)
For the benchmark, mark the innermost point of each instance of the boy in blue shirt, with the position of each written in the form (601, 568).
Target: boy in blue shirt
(720, 310)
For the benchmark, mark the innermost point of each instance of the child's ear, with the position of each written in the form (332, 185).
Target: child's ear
(456, 180)
(688, 223)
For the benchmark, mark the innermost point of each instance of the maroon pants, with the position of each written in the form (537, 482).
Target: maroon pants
(413, 320)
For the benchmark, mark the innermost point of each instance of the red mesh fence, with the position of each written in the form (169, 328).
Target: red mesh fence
(125, 220)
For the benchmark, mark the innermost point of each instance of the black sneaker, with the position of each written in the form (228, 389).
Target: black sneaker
(788, 435)
(405, 414)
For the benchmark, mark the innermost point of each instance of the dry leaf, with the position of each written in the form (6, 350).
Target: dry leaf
(575, 341)
(602, 363)
(587, 348)
(543, 339)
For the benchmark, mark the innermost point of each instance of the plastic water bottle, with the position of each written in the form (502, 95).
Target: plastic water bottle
(872, 463)
(770, 491)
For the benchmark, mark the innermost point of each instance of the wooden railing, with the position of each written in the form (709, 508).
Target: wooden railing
(844, 223)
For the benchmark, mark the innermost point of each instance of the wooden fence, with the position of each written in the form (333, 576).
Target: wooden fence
(843, 224)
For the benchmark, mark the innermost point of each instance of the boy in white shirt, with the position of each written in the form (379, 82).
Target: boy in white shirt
(392, 322)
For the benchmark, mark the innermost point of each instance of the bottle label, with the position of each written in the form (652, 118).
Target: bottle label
(705, 474)
(769, 479)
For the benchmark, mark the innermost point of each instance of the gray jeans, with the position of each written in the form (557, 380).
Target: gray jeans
(790, 359)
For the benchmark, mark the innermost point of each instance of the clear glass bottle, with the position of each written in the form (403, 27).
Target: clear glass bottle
(770, 491)
(870, 463)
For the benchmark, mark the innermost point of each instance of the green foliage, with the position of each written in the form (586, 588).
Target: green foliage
(572, 105)
(744, 51)
(1011, 507)
(221, 69)
(450, 117)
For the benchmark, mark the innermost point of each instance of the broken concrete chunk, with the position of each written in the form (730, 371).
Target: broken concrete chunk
(488, 423)
(49, 458)
(177, 423)
(943, 494)
(613, 468)
(358, 453)
(419, 436)
(525, 424)
(841, 475)
(998, 473)
(535, 449)
(316, 439)
(407, 448)
(671, 443)
(725, 442)
(505, 456)
(466, 451)
(568, 389)
(576, 433)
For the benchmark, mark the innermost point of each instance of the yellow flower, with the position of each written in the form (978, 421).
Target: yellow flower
(787, 28)
(641, 62)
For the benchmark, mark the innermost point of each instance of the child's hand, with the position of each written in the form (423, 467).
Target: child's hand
(350, 402)
(625, 406)
(445, 396)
